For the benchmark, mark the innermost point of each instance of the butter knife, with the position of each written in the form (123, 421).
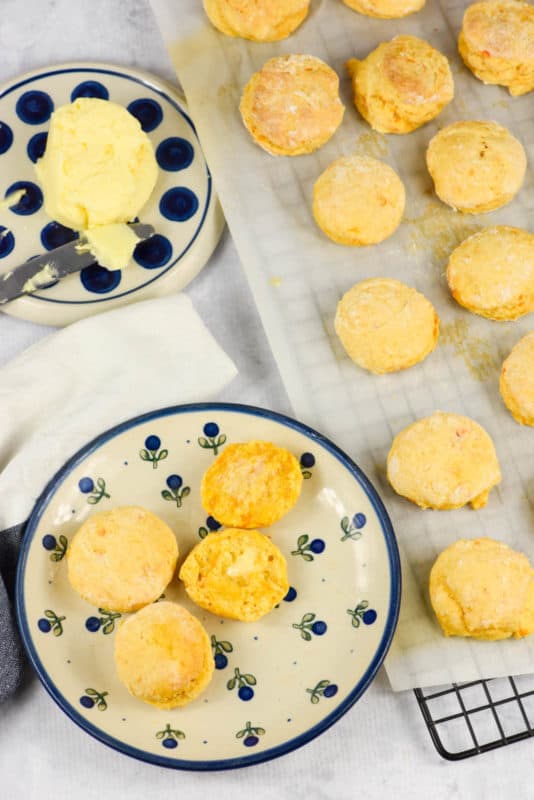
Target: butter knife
(47, 268)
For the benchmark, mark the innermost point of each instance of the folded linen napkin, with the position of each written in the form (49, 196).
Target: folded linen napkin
(75, 384)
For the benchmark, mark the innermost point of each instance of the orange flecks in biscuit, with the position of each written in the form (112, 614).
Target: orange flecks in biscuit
(443, 461)
(251, 485)
(238, 574)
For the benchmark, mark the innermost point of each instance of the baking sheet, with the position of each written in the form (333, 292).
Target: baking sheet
(297, 277)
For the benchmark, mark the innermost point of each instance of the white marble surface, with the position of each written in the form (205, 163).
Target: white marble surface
(380, 749)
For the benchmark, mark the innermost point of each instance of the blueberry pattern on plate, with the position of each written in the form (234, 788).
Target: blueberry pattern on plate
(296, 670)
(180, 205)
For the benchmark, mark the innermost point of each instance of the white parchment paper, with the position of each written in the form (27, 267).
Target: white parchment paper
(297, 277)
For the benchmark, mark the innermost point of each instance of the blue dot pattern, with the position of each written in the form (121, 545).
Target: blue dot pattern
(148, 112)
(174, 154)
(7, 242)
(153, 252)
(178, 204)
(30, 202)
(54, 235)
(6, 137)
(37, 146)
(100, 280)
(89, 89)
(34, 107)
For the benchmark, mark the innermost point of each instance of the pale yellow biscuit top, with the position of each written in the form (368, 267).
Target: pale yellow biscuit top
(163, 655)
(259, 20)
(358, 201)
(292, 106)
(235, 573)
(497, 43)
(401, 85)
(122, 559)
(443, 461)
(492, 272)
(517, 380)
(484, 589)
(476, 166)
(385, 325)
(251, 484)
(385, 9)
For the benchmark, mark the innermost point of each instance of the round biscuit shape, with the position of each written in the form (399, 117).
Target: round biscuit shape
(401, 85)
(491, 273)
(517, 380)
(358, 201)
(497, 43)
(291, 106)
(476, 166)
(443, 461)
(258, 20)
(385, 9)
(163, 655)
(122, 559)
(385, 325)
(483, 589)
(238, 574)
(251, 484)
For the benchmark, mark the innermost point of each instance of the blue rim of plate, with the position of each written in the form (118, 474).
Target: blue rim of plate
(135, 77)
(291, 744)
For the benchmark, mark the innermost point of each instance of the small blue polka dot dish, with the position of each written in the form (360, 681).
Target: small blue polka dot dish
(183, 207)
(278, 682)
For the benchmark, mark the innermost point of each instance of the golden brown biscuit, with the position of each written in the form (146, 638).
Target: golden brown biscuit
(517, 380)
(476, 166)
(385, 9)
(358, 201)
(483, 589)
(385, 325)
(443, 461)
(122, 559)
(292, 106)
(163, 655)
(401, 85)
(492, 273)
(235, 573)
(497, 43)
(259, 20)
(251, 485)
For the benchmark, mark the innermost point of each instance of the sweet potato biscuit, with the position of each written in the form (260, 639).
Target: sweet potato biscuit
(492, 273)
(476, 166)
(385, 9)
(517, 380)
(497, 43)
(259, 20)
(385, 325)
(163, 655)
(292, 106)
(443, 461)
(358, 201)
(401, 85)
(251, 484)
(483, 589)
(122, 559)
(235, 573)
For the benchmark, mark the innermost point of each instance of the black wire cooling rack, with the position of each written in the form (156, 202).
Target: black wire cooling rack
(466, 719)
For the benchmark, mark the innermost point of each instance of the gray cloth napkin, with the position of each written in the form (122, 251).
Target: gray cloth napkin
(11, 653)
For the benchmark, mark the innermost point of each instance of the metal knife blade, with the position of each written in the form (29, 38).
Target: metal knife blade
(47, 268)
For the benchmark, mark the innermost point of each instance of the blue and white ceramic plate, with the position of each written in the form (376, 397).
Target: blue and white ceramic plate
(279, 682)
(183, 207)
